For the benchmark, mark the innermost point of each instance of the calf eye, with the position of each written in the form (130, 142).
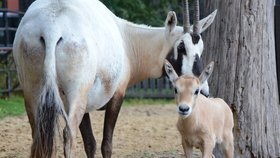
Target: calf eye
(175, 90)
(196, 92)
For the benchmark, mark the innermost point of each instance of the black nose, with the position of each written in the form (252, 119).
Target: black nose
(184, 108)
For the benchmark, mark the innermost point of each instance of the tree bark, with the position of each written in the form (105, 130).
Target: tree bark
(241, 42)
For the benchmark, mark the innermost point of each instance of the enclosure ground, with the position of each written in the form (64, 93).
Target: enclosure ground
(144, 131)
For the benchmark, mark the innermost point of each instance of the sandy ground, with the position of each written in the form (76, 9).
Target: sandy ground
(144, 131)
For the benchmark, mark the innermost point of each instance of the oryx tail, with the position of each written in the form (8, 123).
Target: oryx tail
(50, 105)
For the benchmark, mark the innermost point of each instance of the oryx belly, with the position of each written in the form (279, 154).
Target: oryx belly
(107, 81)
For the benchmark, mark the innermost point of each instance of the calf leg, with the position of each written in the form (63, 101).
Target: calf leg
(188, 149)
(87, 135)
(207, 148)
(228, 145)
(111, 115)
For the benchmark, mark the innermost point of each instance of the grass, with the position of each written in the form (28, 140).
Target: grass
(14, 106)
(137, 102)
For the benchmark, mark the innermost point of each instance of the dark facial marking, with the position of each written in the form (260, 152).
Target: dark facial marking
(177, 64)
(181, 48)
(171, 20)
(196, 92)
(197, 66)
(175, 90)
(195, 38)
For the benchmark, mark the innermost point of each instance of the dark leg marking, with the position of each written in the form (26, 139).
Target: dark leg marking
(87, 135)
(111, 115)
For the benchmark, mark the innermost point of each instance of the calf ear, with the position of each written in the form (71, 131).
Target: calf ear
(170, 22)
(172, 75)
(206, 73)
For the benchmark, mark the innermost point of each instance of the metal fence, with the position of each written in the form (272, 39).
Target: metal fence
(9, 20)
(151, 88)
(8, 78)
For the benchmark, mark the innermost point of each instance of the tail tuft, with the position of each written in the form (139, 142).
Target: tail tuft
(49, 109)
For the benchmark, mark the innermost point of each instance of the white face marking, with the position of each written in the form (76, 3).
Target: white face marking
(191, 51)
(188, 60)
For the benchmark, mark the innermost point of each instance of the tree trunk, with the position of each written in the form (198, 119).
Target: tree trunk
(241, 42)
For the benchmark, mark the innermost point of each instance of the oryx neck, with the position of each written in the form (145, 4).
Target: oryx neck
(146, 47)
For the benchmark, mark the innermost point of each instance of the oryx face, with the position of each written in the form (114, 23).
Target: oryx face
(186, 57)
(187, 87)
(186, 53)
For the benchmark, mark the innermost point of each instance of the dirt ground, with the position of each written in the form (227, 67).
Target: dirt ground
(144, 131)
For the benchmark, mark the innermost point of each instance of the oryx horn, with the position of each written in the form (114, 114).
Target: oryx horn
(196, 17)
(186, 16)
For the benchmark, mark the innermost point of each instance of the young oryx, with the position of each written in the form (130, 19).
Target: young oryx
(203, 122)
(73, 57)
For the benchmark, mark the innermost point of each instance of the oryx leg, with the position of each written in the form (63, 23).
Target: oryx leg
(111, 115)
(30, 113)
(87, 135)
(76, 110)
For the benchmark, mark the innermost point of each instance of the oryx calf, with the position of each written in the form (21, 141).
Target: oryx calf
(203, 122)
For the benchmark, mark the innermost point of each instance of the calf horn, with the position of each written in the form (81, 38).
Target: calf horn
(186, 16)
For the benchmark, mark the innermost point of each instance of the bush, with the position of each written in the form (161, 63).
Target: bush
(150, 12)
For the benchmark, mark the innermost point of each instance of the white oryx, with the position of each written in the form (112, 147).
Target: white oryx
(73, 57)
(202, 121)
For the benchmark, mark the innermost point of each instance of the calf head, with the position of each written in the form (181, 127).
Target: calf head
(187, 87)
(188, 47)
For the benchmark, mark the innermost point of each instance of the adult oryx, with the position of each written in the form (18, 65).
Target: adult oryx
(73, 57)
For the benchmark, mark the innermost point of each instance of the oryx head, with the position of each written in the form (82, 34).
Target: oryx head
(186, 53)
(187, 87)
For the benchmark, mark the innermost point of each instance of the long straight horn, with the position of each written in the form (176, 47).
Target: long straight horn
(186, 16)
(196, 17)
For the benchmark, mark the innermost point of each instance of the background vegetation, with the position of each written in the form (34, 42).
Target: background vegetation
(150, 12)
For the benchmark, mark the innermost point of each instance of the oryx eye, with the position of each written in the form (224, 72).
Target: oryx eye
(175, 90)
(196, 92)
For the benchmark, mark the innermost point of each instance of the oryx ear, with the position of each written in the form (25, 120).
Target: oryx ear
(206, 73)
(172, 75)
(170, 22)
(206, 22)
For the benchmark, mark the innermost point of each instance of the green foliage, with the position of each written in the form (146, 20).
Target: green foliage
(8, 75)
(12, 106)
(150, 12)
